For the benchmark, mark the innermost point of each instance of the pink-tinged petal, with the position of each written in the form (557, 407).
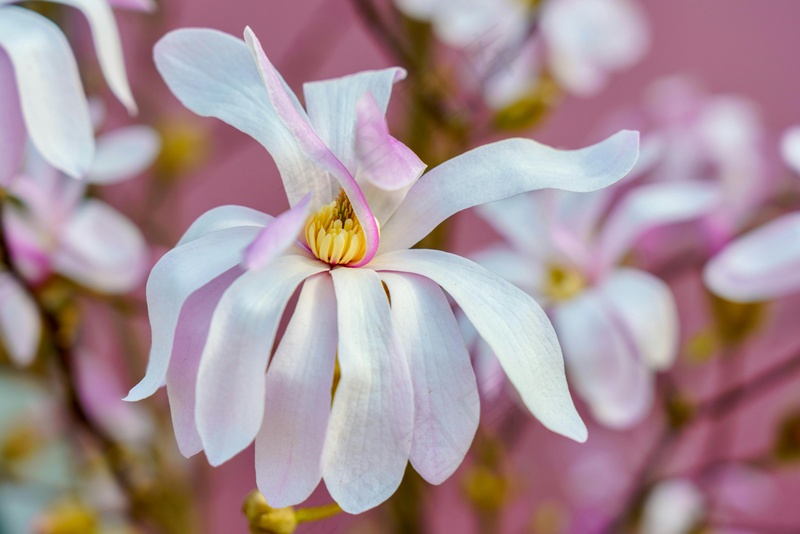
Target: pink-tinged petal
(20, 326)
(762, 265)
(511, 322)
(502, 170)
(526, 273)
(313, 147)
(135, 5)
(383, 161)
(277, 236)
(603, 362)
(230, 381)
(446, 402)
(674, 506)
(108, 47)
(650, 206)
(790, 148)
(190, 338)
(123, 154)
(214, 75)
(298, 405)
(525, 221)
(50, 91)
(181, 272)
(372, 418)
(102, 249)
(332, 103)
(222, 218)
(12, 132)
(646, 308)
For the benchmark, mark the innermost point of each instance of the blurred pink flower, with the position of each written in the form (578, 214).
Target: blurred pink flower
(407, 389)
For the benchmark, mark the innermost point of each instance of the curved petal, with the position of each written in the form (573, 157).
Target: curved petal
(50, 91)
(102, 249)
(511, 323)
(602, 361)
(372, 418)
(446, 403)
(298, 405)
(20, 326)
(331, 106)
(124, 153)
(313, 147)
(649, 206)
(502, 170)
(277, 236)
(191, 333)
(178, 274)
(214, 75)
(222, 218)
(230, 381)
(762, 265)
(12, 132)
(790, 148)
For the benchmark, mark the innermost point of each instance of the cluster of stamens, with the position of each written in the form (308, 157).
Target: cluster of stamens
(563, 283)
(334, 234)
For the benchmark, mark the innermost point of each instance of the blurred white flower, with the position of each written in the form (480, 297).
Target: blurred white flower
(674, 506)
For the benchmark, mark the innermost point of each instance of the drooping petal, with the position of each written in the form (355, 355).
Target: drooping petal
(298, 405)
(50, 91)
(222, 218)
(102, 249)
(191, 333)
(790, 148)
(124, 153)
(502, 170)
(331, 106)
(178, 274)
(372, 418)
(762, 265)
(20, 326)
(230, 381)
(12, 131)
(214, 75)
(602, 359)
(650, 206)
(277, 236)
(511, 322)
(446, 403)
(313, 147)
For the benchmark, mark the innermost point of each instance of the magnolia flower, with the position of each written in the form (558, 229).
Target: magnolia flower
(407, 390)
(41, 95)
(617, 325)
(58, 230)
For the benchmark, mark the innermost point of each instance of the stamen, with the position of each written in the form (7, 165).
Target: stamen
(563, 283)
(334, 234)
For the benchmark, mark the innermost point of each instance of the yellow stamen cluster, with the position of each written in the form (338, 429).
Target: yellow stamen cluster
(563, 283)
(334, 234)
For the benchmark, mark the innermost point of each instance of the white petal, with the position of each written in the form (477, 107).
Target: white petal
(446, 403)
(214, 75)
(50, 91)
(511, 322)
(673, 507)
(790, 148)
(12, 131)
(372, 418)
(222, 218)
(298, 404)
(124, 153)
(230, 381)
(525, 273)
(501, 170)
(20, 326)
(178, 274)
(762, 265)
(524, 221)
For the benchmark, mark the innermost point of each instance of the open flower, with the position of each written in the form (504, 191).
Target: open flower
(617, 325)
(407, 389)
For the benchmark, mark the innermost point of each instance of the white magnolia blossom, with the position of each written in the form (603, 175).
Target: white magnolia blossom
(617, 325)
(407, 389)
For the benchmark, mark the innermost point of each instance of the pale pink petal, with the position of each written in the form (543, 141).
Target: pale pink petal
(502, 170)
(124, 153)
(222, 218)
(50, 91)
(372, 418)
(12, 132)
(527, 273)
(762, 265)
(277, 236)
(214, 75)
(525, 221)
(298, 404)
(511, 323)
(446, 403)
(674, 506)
(135, 5)
(20, 325)
(790, 148)
(313, 147)
(230, 380)
(102, 249)
(177, 275)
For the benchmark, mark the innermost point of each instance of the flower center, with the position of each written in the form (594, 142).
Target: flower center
(563, 283)
(334, 234)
